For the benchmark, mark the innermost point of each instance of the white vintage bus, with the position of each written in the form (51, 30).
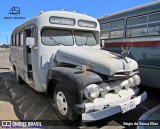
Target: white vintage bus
(58, 52)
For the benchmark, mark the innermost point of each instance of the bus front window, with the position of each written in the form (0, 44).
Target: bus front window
(85, 38)
(53, 37)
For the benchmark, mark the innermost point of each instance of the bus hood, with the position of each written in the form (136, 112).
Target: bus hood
(97, 60)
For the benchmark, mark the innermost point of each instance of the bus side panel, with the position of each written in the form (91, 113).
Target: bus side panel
(42, 61)
(150, 76)
(14, 56)
(21, 64)
(17, 58)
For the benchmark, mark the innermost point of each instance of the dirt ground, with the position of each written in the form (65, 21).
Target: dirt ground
(4, 59)
(23, 103)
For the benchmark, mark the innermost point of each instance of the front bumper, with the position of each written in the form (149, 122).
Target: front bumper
(97, 115)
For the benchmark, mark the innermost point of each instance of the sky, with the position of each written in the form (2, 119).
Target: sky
(31, 8)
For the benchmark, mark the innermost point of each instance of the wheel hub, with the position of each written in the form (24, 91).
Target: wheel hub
(61, 103)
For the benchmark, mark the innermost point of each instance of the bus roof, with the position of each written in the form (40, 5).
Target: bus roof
(147, 8)
(43, 20)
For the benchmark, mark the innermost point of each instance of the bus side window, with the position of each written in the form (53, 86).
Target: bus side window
(137, 26)
(154, 24)
(14, 40)
(21, 38)
(117, 29)
(28, 34)
(105, 30)
(15, 36)
(17, 39)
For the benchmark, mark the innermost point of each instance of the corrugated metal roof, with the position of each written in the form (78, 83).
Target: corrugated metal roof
(147, 8)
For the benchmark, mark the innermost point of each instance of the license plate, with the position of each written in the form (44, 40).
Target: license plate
(128, 106)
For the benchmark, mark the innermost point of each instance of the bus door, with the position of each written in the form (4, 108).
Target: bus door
(28, 33)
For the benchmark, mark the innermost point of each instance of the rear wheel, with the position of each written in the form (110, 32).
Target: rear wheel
(63, 102)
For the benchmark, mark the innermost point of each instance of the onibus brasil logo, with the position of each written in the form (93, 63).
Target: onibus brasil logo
(21, 124)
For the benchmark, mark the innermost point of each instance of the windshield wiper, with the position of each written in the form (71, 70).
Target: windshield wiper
(56, 43)
(86, 40)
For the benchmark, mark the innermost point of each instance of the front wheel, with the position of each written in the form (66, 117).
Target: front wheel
(63, 102)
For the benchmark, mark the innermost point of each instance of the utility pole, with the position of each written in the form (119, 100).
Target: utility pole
(7, 40)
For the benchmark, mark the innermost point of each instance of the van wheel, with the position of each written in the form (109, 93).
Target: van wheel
(63, 103)
(19, 79)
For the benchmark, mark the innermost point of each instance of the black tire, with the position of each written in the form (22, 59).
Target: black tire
(70, 115)
(19, 79)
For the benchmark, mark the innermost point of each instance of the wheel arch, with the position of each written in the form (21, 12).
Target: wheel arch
(14, 67)
(50, 87)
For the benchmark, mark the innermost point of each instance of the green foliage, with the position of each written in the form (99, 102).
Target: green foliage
(4, 46)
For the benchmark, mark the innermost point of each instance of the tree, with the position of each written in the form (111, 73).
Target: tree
(4, 46)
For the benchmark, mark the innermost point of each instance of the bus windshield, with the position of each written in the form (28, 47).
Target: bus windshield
(53, 37)
(85, 38)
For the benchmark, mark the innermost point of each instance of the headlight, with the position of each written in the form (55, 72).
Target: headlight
(92, 91)
(136, 79)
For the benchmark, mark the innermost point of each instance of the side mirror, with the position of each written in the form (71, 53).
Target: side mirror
(30, 41)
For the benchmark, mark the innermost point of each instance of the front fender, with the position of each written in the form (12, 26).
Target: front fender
(73, 79)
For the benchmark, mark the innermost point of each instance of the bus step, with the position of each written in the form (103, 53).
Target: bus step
(30, 82)
(30, 75)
